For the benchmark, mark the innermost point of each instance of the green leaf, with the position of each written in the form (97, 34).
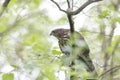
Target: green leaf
(104, 14)
(8, 76)
(12, 2)
(2, 27)
(49, 71)
(56, 47)
(39, 46)
(29, 40)
(117, 19)
(111, 7)
(40, 78)
(109, 49)
(56, 52)
(37, 2)
(15, 66)
(115, 41)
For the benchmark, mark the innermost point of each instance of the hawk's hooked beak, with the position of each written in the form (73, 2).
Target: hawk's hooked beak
(51, 33)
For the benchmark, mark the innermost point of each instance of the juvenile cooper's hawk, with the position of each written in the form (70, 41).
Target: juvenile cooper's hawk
(74, 44)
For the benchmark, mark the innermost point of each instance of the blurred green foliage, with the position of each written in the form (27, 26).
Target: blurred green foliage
(9, 76)
(25, 43)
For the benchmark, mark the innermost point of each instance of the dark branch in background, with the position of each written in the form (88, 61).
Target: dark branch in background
(95, 32)
(115, 4)
(116, 45)
(17, 20)
(113, 51)
(70, 11)
(110, 70)
(5, 4)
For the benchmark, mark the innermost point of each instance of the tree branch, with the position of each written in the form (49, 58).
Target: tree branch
(10, 27)
(5, 4)
(71, 23)
(59, 6)
(70, 11)
(112, 69)
(82, 7)
(72, 4)
(68, 2)
(95, 0)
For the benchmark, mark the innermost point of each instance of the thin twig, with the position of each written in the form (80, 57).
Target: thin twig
(108, 71)
(83, 6)
(95, 0)
(94, 32)
(68, 2)
(58, 6)
(10, 27)
(70, 12)
(72, 4)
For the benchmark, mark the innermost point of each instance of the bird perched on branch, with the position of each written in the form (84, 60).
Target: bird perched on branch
(74, 45)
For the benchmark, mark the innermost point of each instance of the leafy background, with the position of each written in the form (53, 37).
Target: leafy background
(27, 52)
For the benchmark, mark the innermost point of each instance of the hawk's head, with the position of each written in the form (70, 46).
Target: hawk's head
(60, 33)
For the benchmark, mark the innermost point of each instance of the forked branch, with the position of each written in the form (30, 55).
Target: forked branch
(58, 6)
(70, 12)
